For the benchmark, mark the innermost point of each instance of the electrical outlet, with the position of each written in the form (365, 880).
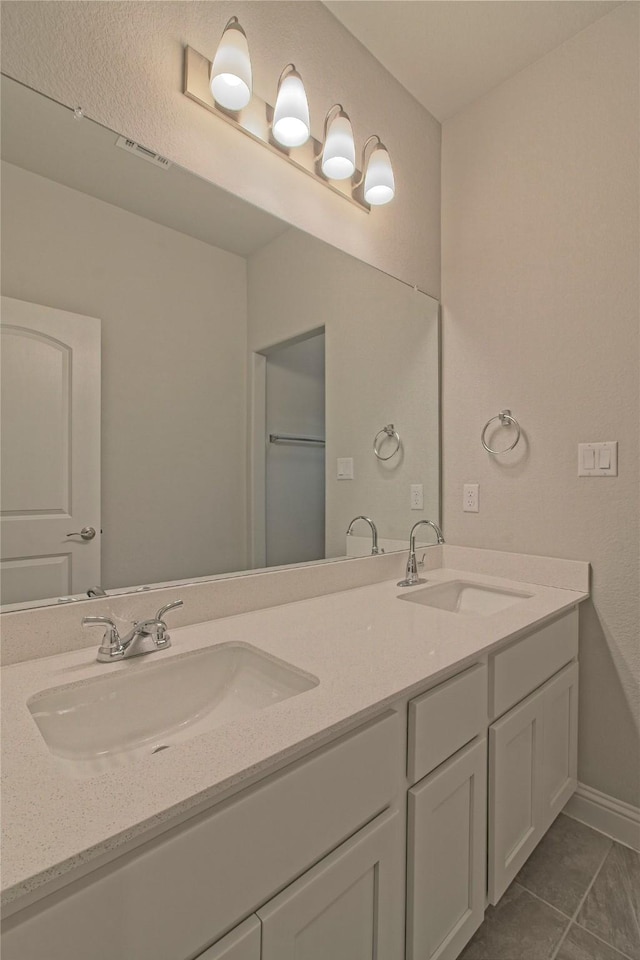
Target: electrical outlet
(470, 498)
(417, 497)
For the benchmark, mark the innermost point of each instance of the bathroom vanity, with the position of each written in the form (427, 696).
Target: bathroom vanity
(376, 812)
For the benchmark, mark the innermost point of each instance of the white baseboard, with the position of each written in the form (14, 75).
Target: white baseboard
(618, 820)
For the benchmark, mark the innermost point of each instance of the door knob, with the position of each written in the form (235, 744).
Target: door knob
(87, 533)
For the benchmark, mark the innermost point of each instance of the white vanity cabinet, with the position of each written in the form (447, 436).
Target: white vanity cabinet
(166, 899)
(447, 816)
(446, 880)
(372, 844)
(349, 907)
(532, 748)
(243, 943)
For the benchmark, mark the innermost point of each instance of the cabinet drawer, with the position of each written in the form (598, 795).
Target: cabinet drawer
(221, 865)
(525, 665)
(445, 718)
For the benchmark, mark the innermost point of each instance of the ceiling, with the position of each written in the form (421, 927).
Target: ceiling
(42, 136)
(447, 53)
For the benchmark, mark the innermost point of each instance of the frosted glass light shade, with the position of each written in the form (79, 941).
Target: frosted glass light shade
(379, 184)
(291, 125)
(231, 79)
(339, 154)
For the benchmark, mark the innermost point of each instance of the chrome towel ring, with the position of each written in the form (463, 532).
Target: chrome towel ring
(388, 431)
(506, 420)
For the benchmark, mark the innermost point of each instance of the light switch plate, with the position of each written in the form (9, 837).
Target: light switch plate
(598, 459)
(345, 468)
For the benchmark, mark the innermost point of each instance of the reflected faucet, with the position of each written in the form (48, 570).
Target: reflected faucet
(96, 591)
(374, 533)
(146, 636)
(411, 577)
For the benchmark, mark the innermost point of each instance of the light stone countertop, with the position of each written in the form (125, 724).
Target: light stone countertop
(368, 650)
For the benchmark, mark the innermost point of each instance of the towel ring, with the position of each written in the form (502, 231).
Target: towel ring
(505, 419)
(388, 431)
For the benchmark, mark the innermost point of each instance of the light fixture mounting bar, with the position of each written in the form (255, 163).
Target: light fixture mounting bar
(255, 121)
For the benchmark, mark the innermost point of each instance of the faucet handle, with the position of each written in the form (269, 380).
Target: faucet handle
(162, 637)
(101, 622)
(168, 606)
(111, 646)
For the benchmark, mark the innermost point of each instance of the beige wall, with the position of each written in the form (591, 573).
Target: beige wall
(381, 354)
(123, 62)
(173, 312)
(540, 298)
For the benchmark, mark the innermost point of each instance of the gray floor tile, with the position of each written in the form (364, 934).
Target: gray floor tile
(612, 907)
(563, 864)
(580, 945)
(520, 927)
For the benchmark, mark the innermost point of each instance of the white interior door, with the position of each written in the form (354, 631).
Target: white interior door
(50, 466)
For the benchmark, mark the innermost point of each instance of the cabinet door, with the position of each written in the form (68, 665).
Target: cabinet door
(560, 747)
(446, 876)
(348, 907)
(515, 774)
(533, 755)
(243, 943)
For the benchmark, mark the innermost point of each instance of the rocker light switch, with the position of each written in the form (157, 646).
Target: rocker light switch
(598, 459)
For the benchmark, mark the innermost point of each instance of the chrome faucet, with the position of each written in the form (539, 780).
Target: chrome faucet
(146, 636)
(374, 533)
(96, 591)
(411, 577)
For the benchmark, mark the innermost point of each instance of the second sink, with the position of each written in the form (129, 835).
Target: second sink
(463, 596)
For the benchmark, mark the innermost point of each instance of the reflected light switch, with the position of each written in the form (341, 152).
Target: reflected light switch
(345, 468)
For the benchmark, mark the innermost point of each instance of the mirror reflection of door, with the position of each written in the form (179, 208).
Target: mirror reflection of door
(295, 463)
(50, 452)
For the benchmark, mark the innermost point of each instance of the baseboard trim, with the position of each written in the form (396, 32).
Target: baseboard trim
(618, 820)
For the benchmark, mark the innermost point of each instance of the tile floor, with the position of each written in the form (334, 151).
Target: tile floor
(576, 898)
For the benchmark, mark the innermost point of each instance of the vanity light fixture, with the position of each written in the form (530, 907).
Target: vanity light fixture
(224, 87)
(379, 182)
(291, 124)
(231, 78)
(339, 152)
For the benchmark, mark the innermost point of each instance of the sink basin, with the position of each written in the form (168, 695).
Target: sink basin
(462, 596)
(113, 719)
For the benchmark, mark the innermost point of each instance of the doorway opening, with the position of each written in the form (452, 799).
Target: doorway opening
(289, 479)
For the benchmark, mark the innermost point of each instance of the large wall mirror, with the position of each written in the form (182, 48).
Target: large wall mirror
(190, 387)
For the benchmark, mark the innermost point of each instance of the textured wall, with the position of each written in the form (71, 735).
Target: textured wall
(381, 367)
(123, 62)
(540, 295)
(171, 507)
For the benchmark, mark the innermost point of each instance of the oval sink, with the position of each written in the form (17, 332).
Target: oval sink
(463, 596)
(113, 719)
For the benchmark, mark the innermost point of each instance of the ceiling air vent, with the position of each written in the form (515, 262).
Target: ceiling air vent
(132, 147)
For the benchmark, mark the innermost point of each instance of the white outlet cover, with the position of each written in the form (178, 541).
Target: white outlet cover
(416, 497)
(470, 498)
